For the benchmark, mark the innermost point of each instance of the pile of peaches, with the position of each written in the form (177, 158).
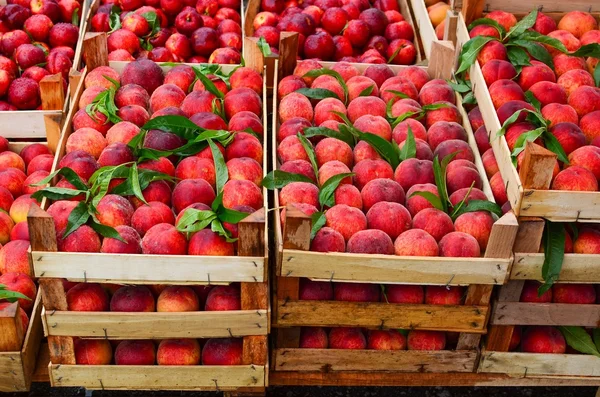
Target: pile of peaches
(90, 297)
(334, 30)
(356, 338)
(566, 97)
(144, 92)
(171, 30)
(17, 172)
(37, 39)
(378, 209)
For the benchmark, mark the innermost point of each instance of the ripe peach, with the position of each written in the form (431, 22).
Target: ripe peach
(503, 91)
(98, 77)
(87, 297)
(43, 162)
(144, 73)
(389, 217)
(587, 157)
(330, 149)
(299, 192)
(416, 203)
(442, 131)
(570, 42)
(381, 189)
(329, 83)
(132, 94)
(498, 69)
(455, 146)
(386, 340)
(585, 100)
(462, 174)
(574, 293)
(559, 113)
(414, 171)
(22, 283)
(178, 352)
(459, 244)
(426, 340)
(156, 191)
(547, 92)
(130, 246)
(543, 340)
(135, 352)
(577, 23)
(207, 242)
(544, 24)
(190, 191)
(416, 242)
(328, 240)
(313, 338)
(447, 113)
(223, 297)
(242, 192)
(490, 51)
(434, 222)
(505, 19)
(33, 150)
(442, 295)
(346, 220)
(587, 242)
(400, 132)
(242, 121)
(11, 160)
(177, 299)
(222, 351)
(569, 136)
(366, 105)
(564, 63)
(93, 352)
(301, 167)
(347, 338)
(20, 232)
(14, 258)
(482, 139)
(511, 107)
(375, 125)
(114, 210)
(498, 188)
(12, 179)
(132, 299)
(530, 293)
(411, 294)
(134, 114)
(478, 224)
(537, 72)
(164, 239)
(84, 239)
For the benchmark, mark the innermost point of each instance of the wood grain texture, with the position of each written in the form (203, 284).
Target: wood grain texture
(532, 364)
(423, 25)
(441, 59)
(12, 333)
(520, 313)
(382, 315)
(155, 377)
(95, 50)
(333, 360)
(537, 168)
(156, 325)
(472, 10)
(576, 268)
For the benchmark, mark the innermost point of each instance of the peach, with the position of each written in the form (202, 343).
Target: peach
(386, 340)
(98, 122)
(405, 106)
(100, 76)
(328, 240)
(570, 42)
(434, 222)
(413, 171)
(93, 352)
(364, 151)
(478, 224)
(569, 136)
(244, 145)
(134, 114)
(426, 340)
(87, 297)
(531, 294)
(83, 239)
(447, 113)
(23, 284)
(130, 246)
(315, 290)
(416, 203)
(313, 338)
(244, 168)
(346, 220)
(20, 232)
(329, 83)
(498, 188)
(564, 63)
(381, 189)
(389, 217)
(248, 78)
(301, 167)
(587, 242)
(11, 160)
(347, 338)
(132, 94)
(483, 30)
(442, 295)
(6, 226)
(177, 299)
(330, 149)
(559, 113)
(367, 170)
(13, 179)
(14, 258)
(585, 100)
(537, 72)
(442, 131)
(543, 340)
(410, 294)
(475, 118)
(115, 154)
(291, 149)
(544, 24)
(366, 105)
(207, 242)
(574, 293)
(223, 297)
(242, 192)
(503, 91)
(573, 79)
(196, 168)
(375, 125)
(132, 299)
(292, 127)
(144, 73)
(459, 244)
(587, 157)
(325, 108)
(190, 191)
(178, 352)
(493, 50)
(43, 162)
(380, 73)
(482, 139)
(114, 210)
(156, 191)
(299, 192)
(289, 84)
(452, 146)
(400, 132)
(498, 69)
(83, 163)
(135, 352)
(505, 19)
(547, 92)
(164, 239)
(577, 23)
(462, 174)
(416, 242)
(511, 107)
(222, 351)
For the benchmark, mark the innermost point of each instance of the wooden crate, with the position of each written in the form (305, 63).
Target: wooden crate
(425, 27)
(295, 261)
(61, 326)
(509, 312)
(527, 189)
(19, 347)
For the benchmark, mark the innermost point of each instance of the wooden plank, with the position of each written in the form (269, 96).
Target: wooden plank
(520, 313)
(12, 377)
(423, 25)
(155, 377)
(441, 60)
(157, 325)
(95, 50)
(12, 333)
(537, 167)
(517, 6)
(576, 268)
(393, 269)
(288, 48)
(397, 379)
(407, 14)
(33, 340)
(27, 123)
(532, 364)
(147, 269)
(252, 9)
(53, 98)
(40, 374)
(374, 360)
(382, 315)
(471, 10)
(450, 27)
(562, 206)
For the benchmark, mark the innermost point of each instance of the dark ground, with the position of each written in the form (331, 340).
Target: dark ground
(42, 390)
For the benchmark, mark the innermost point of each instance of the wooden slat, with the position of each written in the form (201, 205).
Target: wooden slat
(288, 48)
(423, 24)
(156, 325)
(198, 377)
(33, 340)
(370, 378)
(40, 374)
(441, 60)
(147, 269)
(393, 269)
(12, 333)
(562, 206)
(520, 313)
(471, 10)
(576, 268)
(384, 315)
(532, 364)
(12, 377)
(27, 123)
(374, 360)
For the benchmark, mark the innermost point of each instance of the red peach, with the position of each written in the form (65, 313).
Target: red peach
(132, 299)
(87, 297)
(223, 297)
(459, 244)
(178, 352)
(164, 239)
(543, 340)
(222, 351)
(177, 299)
(93, 352)
(135, 352)
(426, 340)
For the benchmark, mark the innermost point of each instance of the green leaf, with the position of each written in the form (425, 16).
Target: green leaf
(596, 335)
(310, 153)
(263, 46)
(523, 25)
(68, 174)
(57, 193)
(588, 50)
(75, 17)
(114, 19)
(597, 75)
(317, 93)
(518, 56)
(462, 203)
(135, 183)
(488, 22)
(178, 125)
(469, 99)
(479, 205)
(532, 35)
(194, 220)
(470, 50)
(435, 106)
(460, 87)
(318, 220)
(344, 136)
(222, 173)
(101, 185)
(319, 72)
(208, 84)
(553, 145)
(277, 179)
(343, 117)
(398, 94)
(510, 121)
(217, 227)
(409, 150)
(384, 148)
(79, 216)
(554, 253)
(580, 340)
(432, 198)
(439, 173)
(230, 216)
(390, 59)
(217, 202)
(367, 91)
(10, 296)
(537, 51)
(153, 21)
(525, 137)
(533, 100)
(326, 193)
(106, 231)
